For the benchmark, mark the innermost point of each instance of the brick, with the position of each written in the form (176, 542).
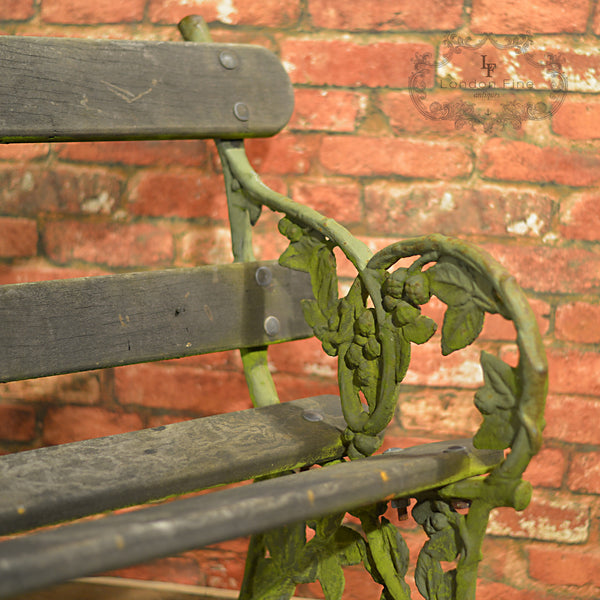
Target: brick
(184, 388)
(303, 357)
(573, 372)
(539, 16)
(452, 210)
(584, 472)
(110, 244)
(263, 13)
(23, 151)
(29, 190)
(16, 10)
(497, 327)
(64, 424)
(345, 62)
(188, 153)
(547, 468)
(520, 161)
(17, 423)
(38, 270)
(578, 121)
(500, 591)
(291, 387)
(503, 560)
(429, 368)
(182, 194)
(284, 154)
(571, 418)
(557, 565)
(338, 199)
(550, 517)
(100, 11)
(386, 15)
(548, 269)
(78, 388)
(442, 412)
(174, 569)
(578, 322)
(371, 156)
(404, 117)
(580, 216)
(327, 110)
(204, 246)
(18, 237)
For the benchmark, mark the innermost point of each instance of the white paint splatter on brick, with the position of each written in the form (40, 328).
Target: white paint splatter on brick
(225, 11)
(531, 225)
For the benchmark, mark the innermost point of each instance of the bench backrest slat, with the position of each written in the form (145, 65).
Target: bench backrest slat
(55, 89)
(63, 326)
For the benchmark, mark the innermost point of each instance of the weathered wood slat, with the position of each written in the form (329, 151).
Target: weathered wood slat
(54, 89)
(84, 548)
(58, 483)
(62, 326)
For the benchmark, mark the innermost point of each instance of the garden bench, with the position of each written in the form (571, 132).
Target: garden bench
(88, 90)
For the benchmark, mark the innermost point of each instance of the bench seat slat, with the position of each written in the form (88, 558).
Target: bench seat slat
(57, 89)
(62, 326)
(84, 548)
(50, 485)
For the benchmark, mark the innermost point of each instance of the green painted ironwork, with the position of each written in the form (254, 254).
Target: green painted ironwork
(371, 331)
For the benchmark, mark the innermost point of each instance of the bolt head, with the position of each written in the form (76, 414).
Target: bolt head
(228, 59)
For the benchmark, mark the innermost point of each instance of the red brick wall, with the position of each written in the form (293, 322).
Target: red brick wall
(357, 149)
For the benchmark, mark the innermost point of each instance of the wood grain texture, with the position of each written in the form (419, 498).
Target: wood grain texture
(59, 483)
(55, 555)
(55, 89)
(63, 326)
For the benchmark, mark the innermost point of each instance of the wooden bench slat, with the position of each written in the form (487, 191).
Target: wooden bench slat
(63, 326)
(57, 89)
(58, 483)
(84, 548)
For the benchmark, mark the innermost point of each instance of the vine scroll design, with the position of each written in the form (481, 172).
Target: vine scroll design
(371, 330)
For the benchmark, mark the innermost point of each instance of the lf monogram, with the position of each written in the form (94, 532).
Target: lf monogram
(489, 67)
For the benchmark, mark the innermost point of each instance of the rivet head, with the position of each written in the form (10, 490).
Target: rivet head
(312, 415)
(263, 276)
(228, 60)
(241, 111)
(272, 326)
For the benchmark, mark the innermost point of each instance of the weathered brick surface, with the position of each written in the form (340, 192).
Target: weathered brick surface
(327, 110)
(369, 156)
(30, 190)
(540, 16)
(178, 194)
(559, 566)
(18, 237)
(584, 472)
(166, 152)
(357, 149)
(340, 62)
(266, 13)
(551, 517)
(12, 10)
(111, 244)
(520, 161)
(578, 322)
(100, 11)
(580, 216)
(64, 424)
(386, 15)
(17, 423)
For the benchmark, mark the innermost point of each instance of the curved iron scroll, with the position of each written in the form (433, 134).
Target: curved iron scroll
(371, 330)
